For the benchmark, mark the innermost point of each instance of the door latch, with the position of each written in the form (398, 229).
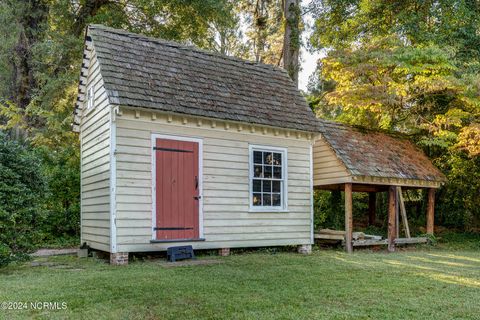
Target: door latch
(197, 197)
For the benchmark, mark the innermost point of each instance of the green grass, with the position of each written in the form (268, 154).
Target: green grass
(426, 283)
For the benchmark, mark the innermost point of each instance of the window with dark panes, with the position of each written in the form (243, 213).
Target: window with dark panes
(267, 178)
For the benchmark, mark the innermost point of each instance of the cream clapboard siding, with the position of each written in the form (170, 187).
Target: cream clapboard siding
(327, 168)
(227, 222)
(95, 165)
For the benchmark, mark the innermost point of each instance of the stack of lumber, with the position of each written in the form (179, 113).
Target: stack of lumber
(361, 239)
(398, 241)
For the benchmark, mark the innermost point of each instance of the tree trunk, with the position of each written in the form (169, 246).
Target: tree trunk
(260, 16)
(89, 9)
(32, 19)
(291, 39)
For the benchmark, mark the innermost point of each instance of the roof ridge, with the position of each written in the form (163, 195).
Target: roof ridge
(183, 46)
(364, 129)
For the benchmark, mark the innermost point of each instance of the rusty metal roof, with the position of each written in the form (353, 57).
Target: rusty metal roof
(368, 153)
(141, 71)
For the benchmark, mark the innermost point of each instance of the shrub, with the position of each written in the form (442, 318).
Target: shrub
(22, 198)
(61, 169)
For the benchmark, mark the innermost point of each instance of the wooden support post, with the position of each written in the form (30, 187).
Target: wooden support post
(430, 210)
(403, 212)
(348, 218)
(397, 216)
(391, 218)
(372, 202)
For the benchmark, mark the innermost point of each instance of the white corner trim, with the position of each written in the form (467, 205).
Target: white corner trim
(81, 184)
(312, 216)
(284, 151)
(113, 180)
(154, 178)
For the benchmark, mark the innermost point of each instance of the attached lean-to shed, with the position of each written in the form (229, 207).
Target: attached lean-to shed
(181, 146)
(359, 160)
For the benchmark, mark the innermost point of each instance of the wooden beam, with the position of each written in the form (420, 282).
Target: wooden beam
(355, 187)
(391, 218)
(430, 210)
(403, 212)
(397, 215)
(369, 242)
(411, 240)
(348, 218)
(400, 241)
(337, 237)
(372, 203)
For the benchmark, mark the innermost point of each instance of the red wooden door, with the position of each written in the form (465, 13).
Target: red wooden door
(177, 189)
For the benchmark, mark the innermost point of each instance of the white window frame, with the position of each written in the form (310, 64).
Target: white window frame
(90, 97)
(153, 166)
(283, 191)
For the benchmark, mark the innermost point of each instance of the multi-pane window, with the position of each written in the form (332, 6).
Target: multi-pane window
(267, 178)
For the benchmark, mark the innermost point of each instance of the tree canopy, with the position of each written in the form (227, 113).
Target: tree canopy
(407, 66)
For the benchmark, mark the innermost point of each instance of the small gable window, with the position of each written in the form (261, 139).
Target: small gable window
(268, 176)
(90, 97)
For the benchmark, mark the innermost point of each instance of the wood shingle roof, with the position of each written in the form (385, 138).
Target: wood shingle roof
(376, 154)
(140, 71)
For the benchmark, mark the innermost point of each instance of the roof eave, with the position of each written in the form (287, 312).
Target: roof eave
(395, 181)
(312, 132)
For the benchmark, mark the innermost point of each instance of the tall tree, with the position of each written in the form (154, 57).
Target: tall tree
(291, 38)
(30, 18)
(23, 27)
(263, 20)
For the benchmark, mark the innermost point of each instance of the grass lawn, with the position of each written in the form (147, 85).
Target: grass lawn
(416, 284)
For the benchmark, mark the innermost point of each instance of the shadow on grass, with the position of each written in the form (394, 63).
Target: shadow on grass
(447, 267)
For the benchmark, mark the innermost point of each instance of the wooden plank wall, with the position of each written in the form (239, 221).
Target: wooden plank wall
(327, 168)
(95, 165)
(227, 222)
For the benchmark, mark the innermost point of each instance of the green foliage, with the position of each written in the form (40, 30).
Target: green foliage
(320, 208)
(385, 84)
(414, 67)
(444, 23)
(22, 198)
(61, 169)
(9, 31)
(432, 239)
(329, 209)
(460, 201)
(459, 241)
(39, 197)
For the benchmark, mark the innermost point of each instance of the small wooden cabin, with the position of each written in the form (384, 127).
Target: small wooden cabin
(181, 146)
